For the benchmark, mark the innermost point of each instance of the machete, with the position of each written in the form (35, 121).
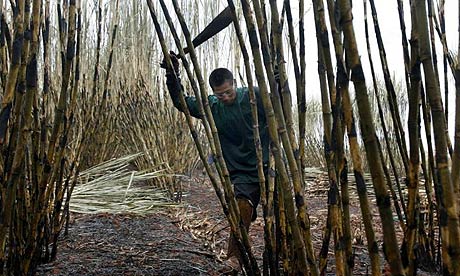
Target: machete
(222, 20)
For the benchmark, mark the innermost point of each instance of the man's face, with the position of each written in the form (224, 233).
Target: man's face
(225, 93)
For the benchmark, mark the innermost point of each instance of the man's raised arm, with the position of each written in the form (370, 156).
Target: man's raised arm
(173, 82)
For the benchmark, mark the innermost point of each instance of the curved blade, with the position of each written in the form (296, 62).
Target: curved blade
(222, 20)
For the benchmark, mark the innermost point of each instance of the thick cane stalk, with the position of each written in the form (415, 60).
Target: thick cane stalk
(50, 171)
(60, 207)
(17, 158)
(4, 52)
(342, 84)
(449, 225)
(7, 103)
(456, 155)
(289, 140)
(441, 28)
(370, 139)
(330, 103)
(410, 236)
(431, 160)
(337, 94)
(32, 87)
(17, 48)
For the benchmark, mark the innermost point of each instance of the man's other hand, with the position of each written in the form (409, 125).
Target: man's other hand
(174, 61)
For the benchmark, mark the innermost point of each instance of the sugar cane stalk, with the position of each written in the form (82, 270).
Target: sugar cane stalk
(249, 259)
(330, 105)
(266, 193)
(414, 161)
(449, 222)
(298, 241)
(370, 139)
(394, 109)
(386, 137)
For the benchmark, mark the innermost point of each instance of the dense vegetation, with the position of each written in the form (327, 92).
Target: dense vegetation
(81, 85)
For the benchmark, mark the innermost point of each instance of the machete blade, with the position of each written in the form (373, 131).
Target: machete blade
(222, 20)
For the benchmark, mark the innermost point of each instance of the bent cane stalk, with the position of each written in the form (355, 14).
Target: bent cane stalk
(186, 112)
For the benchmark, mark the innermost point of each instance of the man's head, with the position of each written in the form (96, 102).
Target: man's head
(221, 82)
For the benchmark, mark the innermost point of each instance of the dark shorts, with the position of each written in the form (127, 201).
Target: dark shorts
(250, 191)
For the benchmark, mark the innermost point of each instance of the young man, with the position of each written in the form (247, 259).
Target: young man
(231, 110)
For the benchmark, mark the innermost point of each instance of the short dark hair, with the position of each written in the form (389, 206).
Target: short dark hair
(219, 76)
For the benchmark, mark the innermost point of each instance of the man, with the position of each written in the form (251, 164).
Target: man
(231, 110)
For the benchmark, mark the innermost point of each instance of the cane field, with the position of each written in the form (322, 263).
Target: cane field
(101, 175)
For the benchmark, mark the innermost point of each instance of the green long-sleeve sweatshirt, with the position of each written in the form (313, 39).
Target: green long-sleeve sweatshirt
(234, 126)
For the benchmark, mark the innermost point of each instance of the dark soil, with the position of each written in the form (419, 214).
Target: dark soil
(188, 240)
(125, 245)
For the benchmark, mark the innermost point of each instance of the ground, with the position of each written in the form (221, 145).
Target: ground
(187, 240)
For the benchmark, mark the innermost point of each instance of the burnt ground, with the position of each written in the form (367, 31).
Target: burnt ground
(187, 240)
